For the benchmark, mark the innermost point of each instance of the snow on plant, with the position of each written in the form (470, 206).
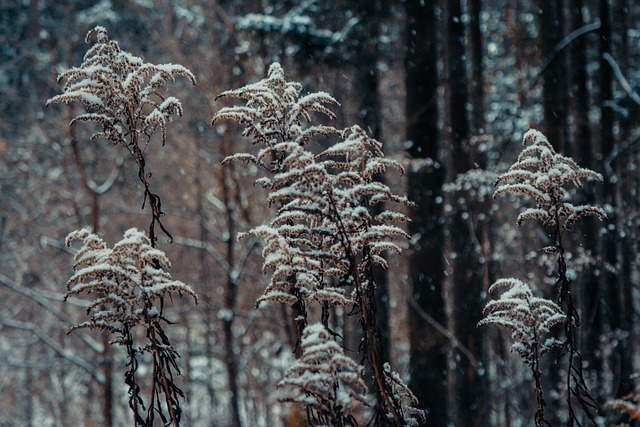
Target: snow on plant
(403, 394)
(324, 239)
(541, 174)
(530, 320)
(627, 406)
(123, 94)
(323, 379)
(129, 283)
(129, 279)
(274, 113)
(120, 89)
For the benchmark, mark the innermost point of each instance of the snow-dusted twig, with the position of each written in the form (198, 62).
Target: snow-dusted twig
(635, 97)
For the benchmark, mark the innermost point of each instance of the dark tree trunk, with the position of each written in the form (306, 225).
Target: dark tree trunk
(470, 406)
(426, 267)
(590, 291)
(477, 67)
(621, 294)
(230, 295)
(371, 120)
(554, 92)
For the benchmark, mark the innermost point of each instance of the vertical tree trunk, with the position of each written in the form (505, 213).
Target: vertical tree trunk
(470, 405)
(477, 67)
(554, 92)
(107, 352)
(590, 291)
(426, 267)
(230, 293)
(608, 280)
(622, 306)
(371, 120)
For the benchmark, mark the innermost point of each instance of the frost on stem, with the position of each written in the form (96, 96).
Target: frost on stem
(325, 381)
(325, 238)
(129, 283)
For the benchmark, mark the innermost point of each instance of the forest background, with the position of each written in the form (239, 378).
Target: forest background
(448, 86)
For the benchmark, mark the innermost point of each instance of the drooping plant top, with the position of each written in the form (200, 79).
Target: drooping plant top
(120, 91)
(543, 175)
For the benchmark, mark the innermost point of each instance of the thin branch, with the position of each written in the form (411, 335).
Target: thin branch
(635, 97)
(445, 332)
(55, 346)
(42, 301)
(107, 183)
(570, 38)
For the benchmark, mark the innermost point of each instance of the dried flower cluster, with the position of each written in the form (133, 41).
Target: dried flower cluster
(324, 238)
(120, 90)
(412, 416)
(122, 94)
(628, 406)
(324, 379)
(323, 220)
(529, 318)
(128, 280)
(542, 174)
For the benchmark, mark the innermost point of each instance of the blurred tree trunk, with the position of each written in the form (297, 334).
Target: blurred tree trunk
(581, 142)
(477, 66)
(105, 338)
(425, 178)
(555, 93)
(621, 283)
(231, 287)
(608, 278)
(367, 87)
(470, 406)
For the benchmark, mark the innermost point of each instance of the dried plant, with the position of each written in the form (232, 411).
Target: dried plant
(543, 175)
(530, 320)
(129, 283)
(324, 380)
(324, 239)
(628, 406)
(412, 416)
(122, 94)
